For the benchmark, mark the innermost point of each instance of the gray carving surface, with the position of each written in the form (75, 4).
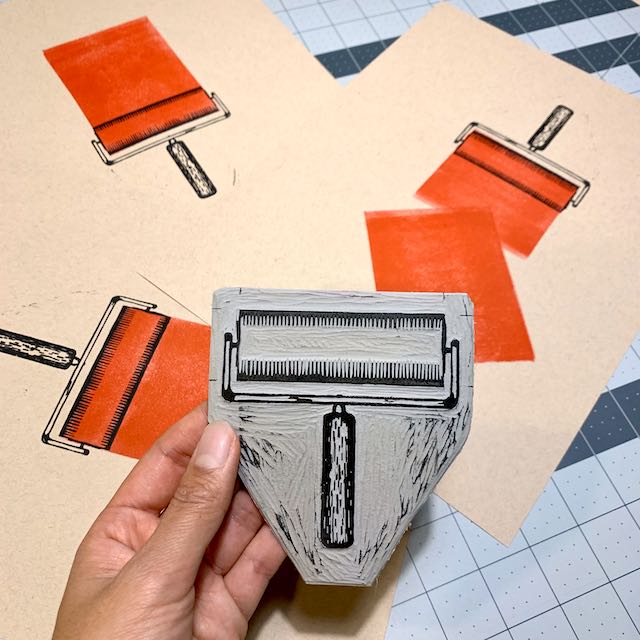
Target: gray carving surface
(350, 407)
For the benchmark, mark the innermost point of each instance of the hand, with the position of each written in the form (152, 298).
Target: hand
(178, 552)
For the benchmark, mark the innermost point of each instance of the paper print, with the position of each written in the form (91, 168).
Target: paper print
(524, 190)
(136, 94)
(140, 372)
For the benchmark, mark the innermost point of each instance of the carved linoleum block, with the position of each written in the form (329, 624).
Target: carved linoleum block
(350, 407)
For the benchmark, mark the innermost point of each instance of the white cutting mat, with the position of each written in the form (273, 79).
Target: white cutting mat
(573, 571)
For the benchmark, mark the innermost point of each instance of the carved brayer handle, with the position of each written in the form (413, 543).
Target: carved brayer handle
(338, 478)
(550, 128)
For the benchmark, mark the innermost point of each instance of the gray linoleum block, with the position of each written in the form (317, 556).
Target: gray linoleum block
(350, 407)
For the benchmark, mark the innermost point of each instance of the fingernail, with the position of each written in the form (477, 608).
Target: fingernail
(213, 449)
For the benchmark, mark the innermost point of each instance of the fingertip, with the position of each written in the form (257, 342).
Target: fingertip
(215, 445)
(203, 410)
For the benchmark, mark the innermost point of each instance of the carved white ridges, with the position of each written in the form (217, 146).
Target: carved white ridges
(350, 407)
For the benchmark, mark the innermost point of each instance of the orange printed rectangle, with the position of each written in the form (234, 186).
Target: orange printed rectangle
(151, 370)
(456, 250)
(524, 197)
(129, 83)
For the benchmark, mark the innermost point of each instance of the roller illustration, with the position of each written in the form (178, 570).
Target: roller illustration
(137, 94)
(344, 360)
(140, 372)
(523, 188)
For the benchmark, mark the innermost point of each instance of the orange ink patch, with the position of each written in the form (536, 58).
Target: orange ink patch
(523, 197)
(151, 371)
(456, 250)
(129, 83)
(174, 383)
(524, 190)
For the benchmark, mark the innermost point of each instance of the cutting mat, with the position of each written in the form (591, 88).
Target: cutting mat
(598, 36)
(573, 570)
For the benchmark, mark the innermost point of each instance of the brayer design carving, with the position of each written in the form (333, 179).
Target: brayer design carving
(350, 407)
(338, 478)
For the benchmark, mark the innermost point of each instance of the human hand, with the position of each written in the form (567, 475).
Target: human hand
(178, 552)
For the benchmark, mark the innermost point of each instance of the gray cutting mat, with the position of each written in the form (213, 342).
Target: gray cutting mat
(598, 36)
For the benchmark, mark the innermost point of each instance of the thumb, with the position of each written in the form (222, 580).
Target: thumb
(197, 508)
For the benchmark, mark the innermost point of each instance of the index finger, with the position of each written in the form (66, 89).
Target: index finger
(152, 482)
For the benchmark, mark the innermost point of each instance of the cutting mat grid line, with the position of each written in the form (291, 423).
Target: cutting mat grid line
(576, 529)
(580, 545)
(597, 36)
(573, 570)
(513, 550)
(520, 588)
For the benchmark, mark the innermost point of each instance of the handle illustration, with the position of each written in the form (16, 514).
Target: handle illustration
(53, 355)
(550, 128)
(338, 478)
(191, 168)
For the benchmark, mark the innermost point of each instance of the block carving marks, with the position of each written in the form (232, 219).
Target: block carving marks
(350, 407)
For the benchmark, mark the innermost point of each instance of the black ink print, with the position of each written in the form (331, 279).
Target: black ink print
(136, 93)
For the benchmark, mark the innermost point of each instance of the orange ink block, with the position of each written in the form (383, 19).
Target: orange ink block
(129, 83)
(452, 250)
(151, 371)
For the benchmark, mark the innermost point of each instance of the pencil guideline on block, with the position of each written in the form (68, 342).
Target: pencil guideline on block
(140, 372)
(350, 406)
(523, 189)
(137, 94)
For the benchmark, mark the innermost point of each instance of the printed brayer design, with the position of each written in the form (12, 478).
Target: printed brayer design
(523, 189)
(139, 373)
(350, 407)
(137, 94)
